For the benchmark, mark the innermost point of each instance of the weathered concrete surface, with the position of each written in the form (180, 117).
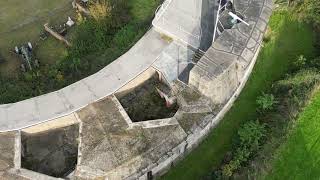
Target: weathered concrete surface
(221, 75)
(109, 149)
(191, 22)
(105, 82)
(219, 72)
(52, 152)
(174, 60)
(7, 150)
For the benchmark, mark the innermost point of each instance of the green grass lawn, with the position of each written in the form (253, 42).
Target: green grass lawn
(289, 39)
(22, 22)
(299, 157)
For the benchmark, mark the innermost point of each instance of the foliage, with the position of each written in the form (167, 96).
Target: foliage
(300, 62)
(298, 85)
(97, 41)
(298, 156)
(249, 139)
(266, 102)
(315, 63)
(309, 10)
(100, 9)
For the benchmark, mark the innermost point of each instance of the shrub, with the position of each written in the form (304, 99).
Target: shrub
(315, 63)
(100, 9)
(251, 133)
(309, 11)
(266, 102)
(297, 85)
(300, 62)
(248, 141)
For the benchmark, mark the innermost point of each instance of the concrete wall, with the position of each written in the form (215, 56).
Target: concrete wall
(140, 79)
(244, 43)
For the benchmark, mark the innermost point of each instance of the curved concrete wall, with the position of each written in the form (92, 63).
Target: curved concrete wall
(47, 107)
(226, 66)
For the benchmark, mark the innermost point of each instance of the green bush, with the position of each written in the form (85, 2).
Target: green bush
(300, 62)
(297, 85)
(315, 63)
(309, 11)
(248, 141)
(266, 102)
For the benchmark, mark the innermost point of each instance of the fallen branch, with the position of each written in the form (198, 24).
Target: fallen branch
(56, 35)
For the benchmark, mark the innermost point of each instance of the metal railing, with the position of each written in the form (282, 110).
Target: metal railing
(218, 19)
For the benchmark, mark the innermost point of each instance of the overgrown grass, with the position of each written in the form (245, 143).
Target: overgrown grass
(95, 45)
(289, 38)
(23, 22)
(299, 157)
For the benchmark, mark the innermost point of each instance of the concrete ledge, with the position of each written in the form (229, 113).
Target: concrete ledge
(63, 102)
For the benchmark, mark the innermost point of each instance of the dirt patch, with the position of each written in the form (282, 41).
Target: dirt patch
(52, 152)
(144, 102)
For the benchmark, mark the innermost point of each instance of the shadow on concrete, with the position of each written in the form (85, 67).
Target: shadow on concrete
(209, 10)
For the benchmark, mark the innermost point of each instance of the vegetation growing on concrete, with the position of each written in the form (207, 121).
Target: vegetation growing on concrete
(144, 102)
(288, 38)
(53, 152)
(96, 43)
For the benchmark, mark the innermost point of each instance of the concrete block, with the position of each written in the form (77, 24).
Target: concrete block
(266, 13)
(261, 25)
(251, 43)
(247, 55)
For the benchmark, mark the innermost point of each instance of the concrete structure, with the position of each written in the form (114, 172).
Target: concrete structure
(191, 22)
(110, 145)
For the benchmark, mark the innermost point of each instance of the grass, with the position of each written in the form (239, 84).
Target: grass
(22, 22)
(299, 156)
(289, 39)
(94, 47)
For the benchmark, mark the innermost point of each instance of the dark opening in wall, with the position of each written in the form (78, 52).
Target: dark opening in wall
(52, 152)
(150, 100)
